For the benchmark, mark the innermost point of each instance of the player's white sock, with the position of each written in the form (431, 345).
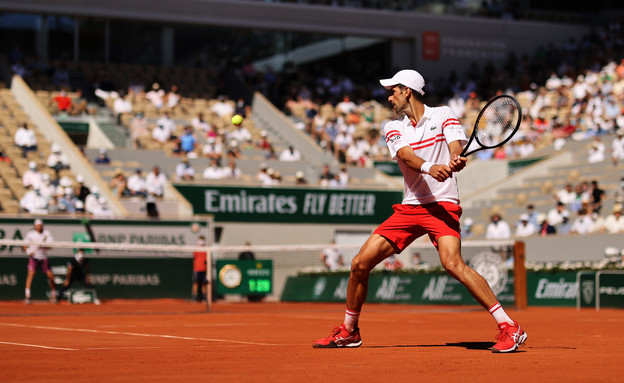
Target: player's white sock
(27, 293)
(351, 319)
(500, 316)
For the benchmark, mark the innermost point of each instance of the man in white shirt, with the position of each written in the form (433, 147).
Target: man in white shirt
(566, 195)
(25, 139)
(57, 160)
(222, 108)
(497, 228)
(525, 228)
(136, 184)
(155, 182)
(92, 200)
(583, 223)
(38, 258)
(167, 123)
(33, 202)
(614, 223)
(32, 177)
(617, 147)
(213, 171)
(156, 96)
(555, 215)
(103, 211)
(426, 142)
(184, 170)
(290, 154)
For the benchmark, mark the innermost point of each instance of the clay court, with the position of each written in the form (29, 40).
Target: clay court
(272, 342)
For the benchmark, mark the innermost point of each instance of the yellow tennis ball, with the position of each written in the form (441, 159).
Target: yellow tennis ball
(237, 119)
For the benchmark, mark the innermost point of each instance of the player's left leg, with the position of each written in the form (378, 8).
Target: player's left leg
(511, 335)
(53, 297)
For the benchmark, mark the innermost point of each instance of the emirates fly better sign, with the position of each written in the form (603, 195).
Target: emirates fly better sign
(249, 204)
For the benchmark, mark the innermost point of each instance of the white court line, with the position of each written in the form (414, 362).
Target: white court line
(137, 334)
(39, 346)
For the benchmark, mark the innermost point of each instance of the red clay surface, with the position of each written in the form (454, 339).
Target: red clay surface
(272, 342)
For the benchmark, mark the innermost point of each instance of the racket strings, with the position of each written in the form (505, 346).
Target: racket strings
(498, 122)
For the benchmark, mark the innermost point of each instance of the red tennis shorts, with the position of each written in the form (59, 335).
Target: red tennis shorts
(410, 222)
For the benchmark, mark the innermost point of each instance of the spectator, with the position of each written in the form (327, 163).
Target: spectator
(232, 171)
(38, 258)
(102, 210)
(62, 102)
(119, 184)
(188, 141)
(346, 106)
(67, 201)
(247, 254)
(156, 96)
(583, 223)
(331, 257)
(545, 227)
(392, 263)
(155, 183)
(57, 160)
(566, 196)
(136, 88)
(122, 106)
(33, 202)
(597, 196)
(614, 223)
(47, 188)
(565, 226)
(200, 124)
(222, 108)
(262, 174)
(172, 97)
(497, 228)
(160, 135)
(102, 158)
(184, 170)
(525, 228)
(92, 200)
(136, 185)
(326, 176)
(25, 139)
(138, 129)
(343, 176)
(532, 214)
(300, 178)
(555, 215)
(290, 154)
(241, 134)
(617, 147)
(79, 104)
(32, 177)
(213, 171)
(596, 152)
(467, 232)
(81, 190)
(213, 149)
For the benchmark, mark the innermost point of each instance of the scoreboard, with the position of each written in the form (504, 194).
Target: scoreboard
(244, 277)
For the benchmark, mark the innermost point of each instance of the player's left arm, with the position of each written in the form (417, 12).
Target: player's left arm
(457, 161)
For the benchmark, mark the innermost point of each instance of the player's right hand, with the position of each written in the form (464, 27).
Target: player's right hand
(440, 172)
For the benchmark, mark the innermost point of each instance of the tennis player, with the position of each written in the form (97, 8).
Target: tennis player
(426, 143)
(38, 258)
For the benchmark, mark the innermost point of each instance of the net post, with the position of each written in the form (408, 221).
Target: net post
(520, 282)
(208, 279)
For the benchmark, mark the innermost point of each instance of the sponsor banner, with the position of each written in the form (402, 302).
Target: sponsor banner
(285, 205)
(152, 232)
(552, 288)
(387, 288)
(611, 289)
(112, 278)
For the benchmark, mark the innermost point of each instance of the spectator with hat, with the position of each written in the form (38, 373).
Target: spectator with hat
(525, 228)
(614, 222)
(57, 160)
(497, 228)
(102, 158)
(92, 200)
(81, 190)
(32, 177)
(467, 232)
(184, 170)
(545, 227)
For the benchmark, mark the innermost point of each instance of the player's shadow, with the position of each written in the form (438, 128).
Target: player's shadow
(466, 345)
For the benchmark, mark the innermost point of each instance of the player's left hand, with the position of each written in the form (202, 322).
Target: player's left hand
(440, 172)
(457, 163)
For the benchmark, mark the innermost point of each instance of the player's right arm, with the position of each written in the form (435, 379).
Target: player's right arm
(401, 149)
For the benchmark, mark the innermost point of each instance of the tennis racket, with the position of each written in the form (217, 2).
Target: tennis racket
(497, 122)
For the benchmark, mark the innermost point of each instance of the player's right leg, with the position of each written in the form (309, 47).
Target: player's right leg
(374, 250)
(29, 278)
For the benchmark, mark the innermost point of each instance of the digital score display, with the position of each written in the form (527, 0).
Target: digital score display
(245, 277)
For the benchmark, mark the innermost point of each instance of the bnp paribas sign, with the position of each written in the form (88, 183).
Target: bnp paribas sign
(283, 205)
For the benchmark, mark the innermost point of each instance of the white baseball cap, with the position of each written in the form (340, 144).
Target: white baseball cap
(524, 217)
(407, 77)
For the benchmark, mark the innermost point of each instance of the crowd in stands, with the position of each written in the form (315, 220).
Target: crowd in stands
(580, 95)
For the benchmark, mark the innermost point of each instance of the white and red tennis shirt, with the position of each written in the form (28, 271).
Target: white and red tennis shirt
(429, 139)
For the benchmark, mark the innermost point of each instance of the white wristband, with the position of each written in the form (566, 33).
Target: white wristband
(425, 167)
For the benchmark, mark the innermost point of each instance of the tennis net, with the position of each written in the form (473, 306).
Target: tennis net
(138, 278)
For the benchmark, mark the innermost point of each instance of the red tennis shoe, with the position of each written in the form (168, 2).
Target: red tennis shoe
(510, 337)
(340, 337)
